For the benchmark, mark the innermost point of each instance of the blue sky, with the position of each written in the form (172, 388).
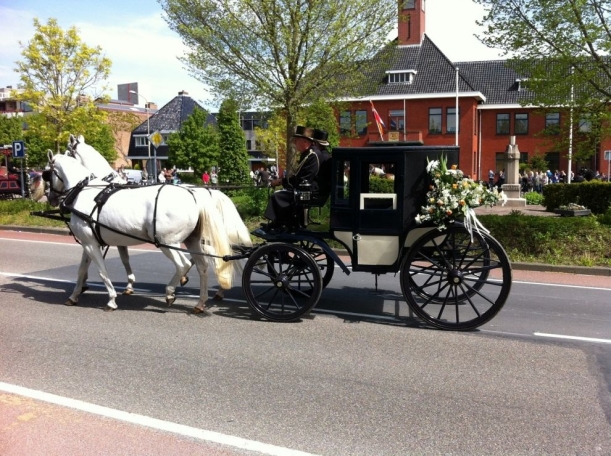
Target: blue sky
(133, 34)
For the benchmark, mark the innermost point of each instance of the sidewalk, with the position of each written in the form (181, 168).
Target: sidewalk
(534, 209)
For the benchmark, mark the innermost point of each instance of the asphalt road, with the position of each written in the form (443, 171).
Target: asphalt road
(359, 377)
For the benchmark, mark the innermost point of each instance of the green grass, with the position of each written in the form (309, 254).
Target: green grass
(17, 212)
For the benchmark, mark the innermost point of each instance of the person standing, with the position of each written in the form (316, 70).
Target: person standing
(264, 178)
(206, 178)
(490, 179)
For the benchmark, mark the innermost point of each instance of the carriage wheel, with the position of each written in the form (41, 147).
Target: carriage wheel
(454, 282)
(479, 277)
(325, 262)
(281, 282)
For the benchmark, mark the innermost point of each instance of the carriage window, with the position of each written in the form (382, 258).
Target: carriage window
(381, 178)
(342, 192)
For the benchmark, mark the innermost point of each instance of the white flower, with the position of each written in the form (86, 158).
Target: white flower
(453, 195)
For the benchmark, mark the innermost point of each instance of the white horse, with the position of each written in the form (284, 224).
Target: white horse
(98, 165)
(165, 215)
(237, 231)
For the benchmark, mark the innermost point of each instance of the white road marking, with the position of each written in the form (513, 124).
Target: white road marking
(152, 423)
(582, 339)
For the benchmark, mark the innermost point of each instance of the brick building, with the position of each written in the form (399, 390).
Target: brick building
(416, 97)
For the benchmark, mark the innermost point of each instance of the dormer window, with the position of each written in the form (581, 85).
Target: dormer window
(522, 84)
(404, 77)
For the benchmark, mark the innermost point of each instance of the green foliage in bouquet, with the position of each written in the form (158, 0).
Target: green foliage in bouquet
(453, 196)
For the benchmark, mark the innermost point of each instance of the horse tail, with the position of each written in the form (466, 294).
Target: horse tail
(212, 231)
(237, 230)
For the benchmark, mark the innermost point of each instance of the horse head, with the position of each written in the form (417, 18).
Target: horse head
(91, 159)
(63, 173)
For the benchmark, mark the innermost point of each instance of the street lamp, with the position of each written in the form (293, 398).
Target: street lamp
(148, 134)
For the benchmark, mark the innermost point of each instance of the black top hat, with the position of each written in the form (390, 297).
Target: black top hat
(303, 132)
(321, 137)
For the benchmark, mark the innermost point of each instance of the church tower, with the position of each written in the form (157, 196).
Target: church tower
(411, 22)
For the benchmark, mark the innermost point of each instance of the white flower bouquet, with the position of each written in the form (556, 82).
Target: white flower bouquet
(452, 196)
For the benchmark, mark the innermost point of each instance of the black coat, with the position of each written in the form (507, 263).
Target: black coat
(281, 204)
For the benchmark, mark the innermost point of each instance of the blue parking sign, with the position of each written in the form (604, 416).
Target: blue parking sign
(18, 149)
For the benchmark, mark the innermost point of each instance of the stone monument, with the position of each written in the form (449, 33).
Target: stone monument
(512, 175)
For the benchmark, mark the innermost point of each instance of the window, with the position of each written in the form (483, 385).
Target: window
(396, 120)
(409, 4)
(553, 160)
(361, 123)
(451, 120)
(403, 76)
(435, 120)
(141, 141)
(502, 124)
(248, 144)
(552, 123)
(344, 123)
(501, 162)
(347, 122)
(342, 192)
(520, 124)
(523, 157)
(585, 124)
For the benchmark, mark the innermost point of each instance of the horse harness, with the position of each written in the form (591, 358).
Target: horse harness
(67, 206)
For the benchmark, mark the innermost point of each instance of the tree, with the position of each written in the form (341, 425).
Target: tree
(562, 49)
(56, 72)
(10, 129)
(233, 156)
(196, 144)
(286, 53)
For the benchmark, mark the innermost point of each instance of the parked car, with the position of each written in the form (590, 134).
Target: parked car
(134, 176)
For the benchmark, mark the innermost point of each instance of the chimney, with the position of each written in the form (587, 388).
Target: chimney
(183, 92)
(411, 22)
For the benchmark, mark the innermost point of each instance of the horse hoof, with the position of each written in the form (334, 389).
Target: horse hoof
(128, 291)
(200, 310)
(170, 300)
(70, 302)
(183, 281)
(108, 309)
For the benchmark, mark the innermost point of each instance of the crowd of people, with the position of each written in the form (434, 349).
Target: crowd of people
(534, 181)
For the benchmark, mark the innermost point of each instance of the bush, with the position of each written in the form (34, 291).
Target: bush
(595, 195)
(251, 201)
(381, 185)
(533, 198)
(552, 240)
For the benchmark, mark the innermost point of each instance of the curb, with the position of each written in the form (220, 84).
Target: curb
(538, 267)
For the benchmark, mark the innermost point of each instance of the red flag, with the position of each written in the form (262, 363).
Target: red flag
(378, 119)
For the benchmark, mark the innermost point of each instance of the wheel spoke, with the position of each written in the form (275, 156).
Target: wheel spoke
(440, 272)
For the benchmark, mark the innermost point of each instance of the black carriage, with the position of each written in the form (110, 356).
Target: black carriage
(451, 279)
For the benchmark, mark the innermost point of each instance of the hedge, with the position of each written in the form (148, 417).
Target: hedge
(595, 195)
